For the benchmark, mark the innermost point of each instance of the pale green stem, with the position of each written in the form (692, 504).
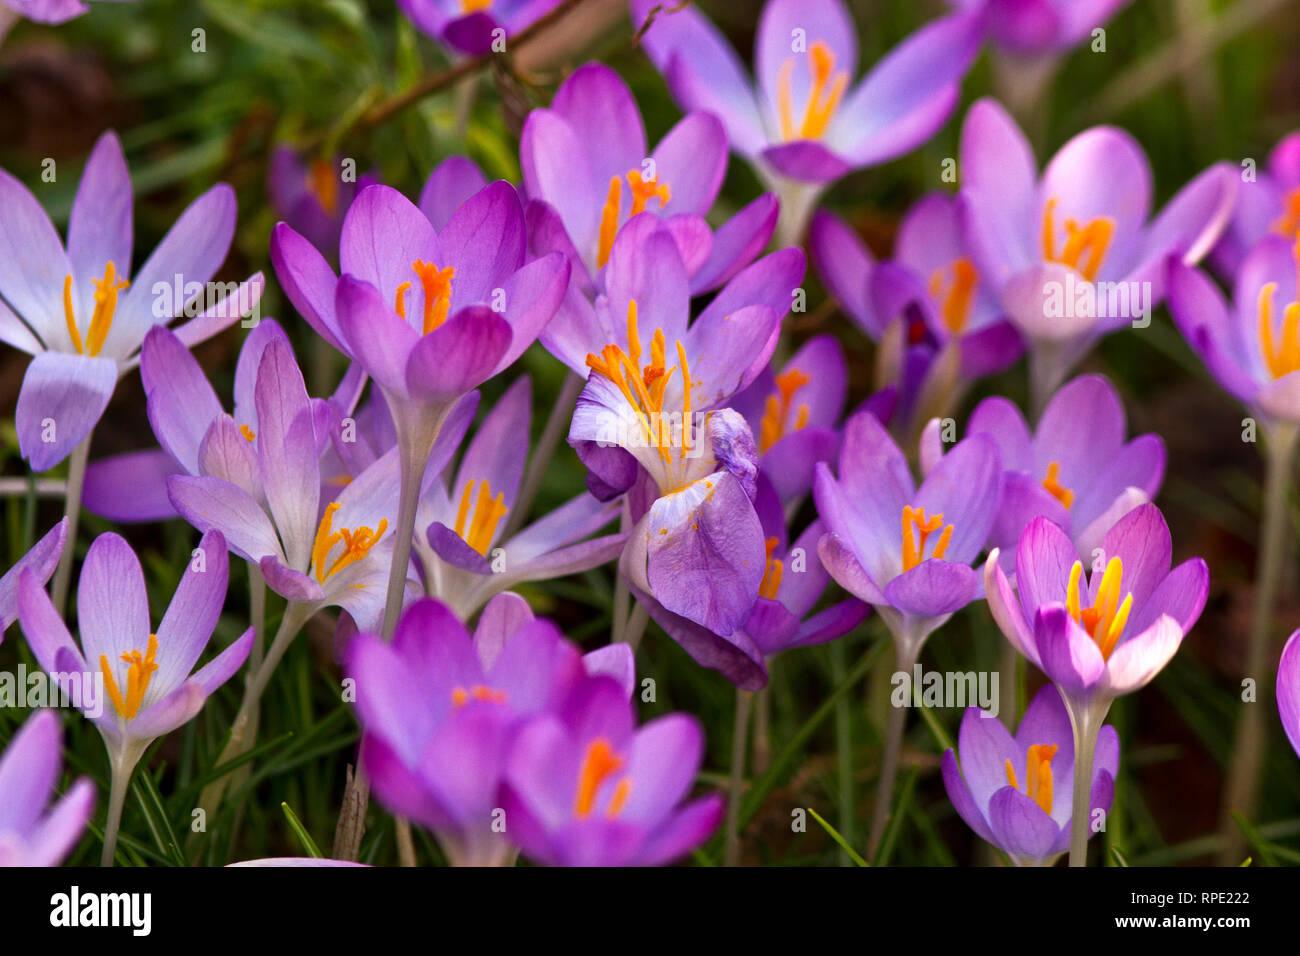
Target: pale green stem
(843, 749)
(736, 785)
(556, 424)
(636, 625)
(72, 509)
(1086, 721)
(622, 596)
(122, 768)
(889, 761)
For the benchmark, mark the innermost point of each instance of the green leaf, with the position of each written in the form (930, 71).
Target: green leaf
(308, 844)
(844, 844)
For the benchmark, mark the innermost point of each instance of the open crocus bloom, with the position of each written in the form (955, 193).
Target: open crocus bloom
(1252, 347)
(40, 562)
(312, 197)
(51, 11)
(1269, 205)
(1076, 468)
(1043, 243)
(146, 672)
(906, 550)
(81, 313)
(1106, 632)
(439, 708)
(1288, 690)
(1015, 792)
(584, 786)
(472, 26)
(587, 172)
(1040, 27)
(459, 535)
(29, 772)
(799, 118)
(795, 413)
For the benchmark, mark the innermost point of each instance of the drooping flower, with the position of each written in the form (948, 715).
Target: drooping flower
(82, 314)
(904, 549)
(40, 562)
(29, 772)
(1015, 792)
(583, 786)
(587, 171)
(798, 121)
(1070, 254)
(1076, 468)
(312, 197)
(460, 527)
(439, 708)
(1031, 28)
(1267, 205)
(474, 26)
(1288, 690)
(51, 11)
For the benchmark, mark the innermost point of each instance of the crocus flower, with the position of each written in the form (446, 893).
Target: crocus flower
(587, 171)
(1031, 28)
(1071, 255)
(29, 771)
(927, 308)
(1288, 690)
(438, 709)
(1076, 468)
(75, 311)
(1015, 791)
(473, 26)
(795, 413)
(798, 121)
(585, 787)
(907, 550)
(460, 543)
(40, 562)
(312, 197)
(1252, 348)
(51, 11)
(1267, 205)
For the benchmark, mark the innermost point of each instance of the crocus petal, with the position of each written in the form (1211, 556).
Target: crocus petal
(210, 503)
(112, 604)
(961, 798)
(461, 353)
(1068, 655)
(452, 182)
(99, 229)
(62, 399)
(379, 339)
(933, 588)
(193, 612)
(1020, 827)
(1137, 660)
(181, 402)
(39, 562)
(1288, 690)
(308, 282)
(32, 262)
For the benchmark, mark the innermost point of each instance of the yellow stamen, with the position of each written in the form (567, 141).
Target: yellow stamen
(1038, 775)
(1105, 620)
(643, 191)
(357, 543)
(400, 305)
(1288, 224)
(460, 696)
(437, 292)
(1093, 238)
(138, 675)
(324, 185)
(1052, 483)
(487, 511)
(914, 549)
(1281, 358)
(599, 763)
(955, 305)
(247, 432)
(473, 6)
(772, 572)
(777, 408)
(827, 90)
(101, 319)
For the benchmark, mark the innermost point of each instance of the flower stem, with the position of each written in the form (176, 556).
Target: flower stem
(843, 749)
(1086, 720)
(1249, 740)
(72, 509)
(739, 744)
(123, 767)
(416, 440)
(889, 762)
(559, 417)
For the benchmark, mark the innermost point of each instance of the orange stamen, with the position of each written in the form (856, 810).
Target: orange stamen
(777, 408)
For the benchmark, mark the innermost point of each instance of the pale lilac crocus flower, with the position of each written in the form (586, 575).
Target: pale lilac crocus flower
(1073, 254)
(1038, 28)
(31, 834)
(312, 197)
(1268, 204)
(1015, 792)
(1288, 690)
(474, 27)
(798, 121)
(146, 674)
(40, 562)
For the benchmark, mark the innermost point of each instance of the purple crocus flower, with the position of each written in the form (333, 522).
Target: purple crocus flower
(1268, 205)
(75, 311)
(798, 121)
(29, 772)
(40, 562)
(1015, 792)
(795, 414)
(907, 550)
(1070, 254)
(439, 708)
(587, 171)
(311, 197)
(1031, 28)
(466, 560)
(583, 786)
(474, 26)
(51, 11)
(1076, 468)
(1288, 690)
(1252, 348)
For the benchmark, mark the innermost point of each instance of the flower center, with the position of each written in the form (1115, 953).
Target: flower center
(138, 675)
(644, 387)
(827, 89)
(101, 320)
(1052, 483)
(598, 764)
(954, 303)
(772, 572)
(437, 293)
(914, 520)
(487, 514)
(777, 409)
(1105, 620)
(324, 185)
(1038, 775)
(1093, 239)
(461, 696)
(1284, 357)
(1288, 223)
(357, 543)
(643, 190)
(248, 433)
